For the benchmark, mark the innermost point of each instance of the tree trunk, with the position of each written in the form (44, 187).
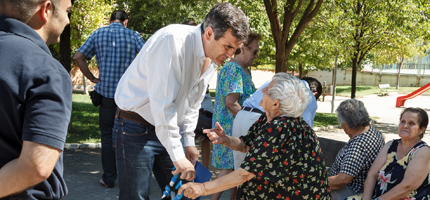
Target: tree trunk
(334, 84)
(398, 74)
(281, 34)
(354, 76)
(65, 54)
(280, 56)
(65, 50)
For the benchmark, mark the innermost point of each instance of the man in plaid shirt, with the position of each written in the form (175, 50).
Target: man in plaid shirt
(115, 47)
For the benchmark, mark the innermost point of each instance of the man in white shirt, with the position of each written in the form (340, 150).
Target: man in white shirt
(251, 111)
(159, 98)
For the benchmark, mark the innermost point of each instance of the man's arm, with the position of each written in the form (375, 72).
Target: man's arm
(34, 165)
(82, 64)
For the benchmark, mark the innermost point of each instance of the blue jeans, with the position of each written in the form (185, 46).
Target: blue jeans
(138, 153)
(106, 119)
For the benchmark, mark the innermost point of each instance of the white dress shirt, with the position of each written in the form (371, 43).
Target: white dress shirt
(165, 85)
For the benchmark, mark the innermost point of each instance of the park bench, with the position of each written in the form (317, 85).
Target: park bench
(384, 89)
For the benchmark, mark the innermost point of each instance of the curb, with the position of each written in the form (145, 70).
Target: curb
(82, 145)
(324, 128)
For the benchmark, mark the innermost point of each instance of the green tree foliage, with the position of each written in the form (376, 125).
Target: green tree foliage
(319, 43)
(288, 19)
(87, 16)
(148, 16)
(374, 24)
(259, 23)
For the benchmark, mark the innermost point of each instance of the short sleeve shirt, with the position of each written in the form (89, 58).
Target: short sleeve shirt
(35, 102)
(115, 47)
(286, 159)
(357, 156)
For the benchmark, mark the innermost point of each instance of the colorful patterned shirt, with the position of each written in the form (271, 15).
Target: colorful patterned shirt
(391, 174)
(115, 47)
(231, 79)
(286, 158)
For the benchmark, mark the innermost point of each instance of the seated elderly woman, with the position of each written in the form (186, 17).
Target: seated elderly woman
(402, 168)
(284, 159)
(353, 161)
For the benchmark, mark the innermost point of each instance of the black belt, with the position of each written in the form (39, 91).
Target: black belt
(132, 116)
(256, 110)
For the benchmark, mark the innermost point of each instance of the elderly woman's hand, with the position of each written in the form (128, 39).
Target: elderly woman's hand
(217, 136)
(192, 190)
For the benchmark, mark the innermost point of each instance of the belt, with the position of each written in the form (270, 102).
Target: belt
(256, 110)
(132, 116)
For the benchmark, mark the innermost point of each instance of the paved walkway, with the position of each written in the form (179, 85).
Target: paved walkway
(82, 169)
(382, 107)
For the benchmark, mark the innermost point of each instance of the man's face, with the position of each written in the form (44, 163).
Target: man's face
(219, 50)
(58, 20)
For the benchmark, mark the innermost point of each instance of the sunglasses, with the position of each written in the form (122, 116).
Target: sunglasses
(254, 51)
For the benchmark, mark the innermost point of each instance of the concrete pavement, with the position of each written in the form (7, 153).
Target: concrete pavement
(382, 107)
(82, 167)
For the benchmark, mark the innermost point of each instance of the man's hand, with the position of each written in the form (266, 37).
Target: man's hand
(192, 190)
(192, 154)
(186, 169)
(217, 136)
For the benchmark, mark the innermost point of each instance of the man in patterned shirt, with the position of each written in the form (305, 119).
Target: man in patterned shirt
(349, 171)
(115, 47)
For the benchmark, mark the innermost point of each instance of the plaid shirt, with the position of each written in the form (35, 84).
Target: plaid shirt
(115, 47)
(356, 157)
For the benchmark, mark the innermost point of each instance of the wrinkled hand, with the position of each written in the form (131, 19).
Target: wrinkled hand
(192, 190)
(192, 154)
(186, 169)
(217, 136)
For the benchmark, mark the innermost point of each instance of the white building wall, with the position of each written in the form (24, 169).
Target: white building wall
(372, 78)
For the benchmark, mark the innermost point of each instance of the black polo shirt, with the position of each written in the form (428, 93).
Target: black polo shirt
(35, 102)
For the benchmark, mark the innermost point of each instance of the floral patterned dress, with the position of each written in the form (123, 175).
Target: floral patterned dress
(231, 79)
(286, 158)
(391, 174)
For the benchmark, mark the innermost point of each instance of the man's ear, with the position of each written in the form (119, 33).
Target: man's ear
(45, 11)
(125, 23)
(41, 16)
(208, 33)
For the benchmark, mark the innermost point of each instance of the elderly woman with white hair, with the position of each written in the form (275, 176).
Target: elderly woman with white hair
(284, 159)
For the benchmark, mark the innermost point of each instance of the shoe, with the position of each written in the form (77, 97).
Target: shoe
(104, 184)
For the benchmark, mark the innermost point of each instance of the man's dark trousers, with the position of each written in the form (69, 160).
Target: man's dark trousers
(106, 120)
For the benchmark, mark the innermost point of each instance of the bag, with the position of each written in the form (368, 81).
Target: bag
(96, 98)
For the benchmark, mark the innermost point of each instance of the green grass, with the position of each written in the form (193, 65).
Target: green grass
(325, 119)
(85, 121)
(362, 91)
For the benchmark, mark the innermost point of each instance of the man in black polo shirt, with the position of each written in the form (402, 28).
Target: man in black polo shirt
(36, 99)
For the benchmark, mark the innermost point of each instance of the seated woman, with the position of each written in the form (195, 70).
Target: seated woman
(284, 159)
(353, 161)
(402, 168)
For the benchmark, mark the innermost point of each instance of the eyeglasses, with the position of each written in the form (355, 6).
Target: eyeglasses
(254, 51)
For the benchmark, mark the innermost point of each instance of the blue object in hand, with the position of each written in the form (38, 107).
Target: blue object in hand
(179, 196)
(167, 189)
